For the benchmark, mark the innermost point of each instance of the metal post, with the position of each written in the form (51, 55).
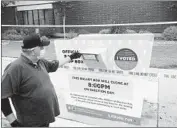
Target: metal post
(64, 30)
(16, 16)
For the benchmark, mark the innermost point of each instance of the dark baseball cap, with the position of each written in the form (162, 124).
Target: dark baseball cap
(34, 40)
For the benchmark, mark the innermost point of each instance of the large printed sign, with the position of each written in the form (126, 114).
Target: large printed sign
(102, 83)
(105, 97)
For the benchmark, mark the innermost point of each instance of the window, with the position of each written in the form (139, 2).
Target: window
(36, 17)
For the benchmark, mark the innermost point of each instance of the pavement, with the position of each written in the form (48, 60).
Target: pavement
(59, 122)
(12, 49)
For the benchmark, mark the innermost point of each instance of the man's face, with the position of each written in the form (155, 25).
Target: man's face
(37, 51)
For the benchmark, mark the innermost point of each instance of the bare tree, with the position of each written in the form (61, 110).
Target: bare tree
(5, 3)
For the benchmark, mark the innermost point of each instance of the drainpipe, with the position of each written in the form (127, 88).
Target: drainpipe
(64, 22)
(16, 19)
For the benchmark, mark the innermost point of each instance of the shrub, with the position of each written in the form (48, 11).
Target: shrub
(129, 31)
(105, 31)
(11, 34)
(11, 37)
(83, 31)
(71, 34)
(11, 31)
(117, 30)
(47, 31)
(27, 31)
(170, 33)
(144, 31)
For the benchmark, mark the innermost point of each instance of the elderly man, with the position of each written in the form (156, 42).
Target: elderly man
(26, 81)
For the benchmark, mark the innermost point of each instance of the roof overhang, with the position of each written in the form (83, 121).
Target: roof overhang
(34, 7)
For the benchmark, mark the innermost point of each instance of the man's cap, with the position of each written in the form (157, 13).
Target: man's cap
(35, 40)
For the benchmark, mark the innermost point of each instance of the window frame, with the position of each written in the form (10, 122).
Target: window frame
(38, 16)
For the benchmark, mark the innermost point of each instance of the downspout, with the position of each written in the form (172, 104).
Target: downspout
(64, 22)
(16, 19)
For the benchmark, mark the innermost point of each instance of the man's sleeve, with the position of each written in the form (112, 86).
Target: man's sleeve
(10, 82)
(51, 66)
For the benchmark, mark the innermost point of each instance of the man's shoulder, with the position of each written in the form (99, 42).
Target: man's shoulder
(15, 64)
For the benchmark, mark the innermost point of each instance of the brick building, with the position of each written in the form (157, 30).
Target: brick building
(92, 12)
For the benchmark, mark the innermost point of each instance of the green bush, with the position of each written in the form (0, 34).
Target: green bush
(170, 33)
(26, 31)
(144, 31)
(129, 31)
(117, 30)
(11, 37)
(47, 31)
(83, 31)
(71, 34)
(17, 33)
(105, 31)
(11, 31)
(11, 34)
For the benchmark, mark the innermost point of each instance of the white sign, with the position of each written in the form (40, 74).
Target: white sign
(102, 83)
(113, 98)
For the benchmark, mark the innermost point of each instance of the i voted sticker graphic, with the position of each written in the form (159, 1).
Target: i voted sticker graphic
(126, 59)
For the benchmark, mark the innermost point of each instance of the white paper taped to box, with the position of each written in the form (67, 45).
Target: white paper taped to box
(95, 57)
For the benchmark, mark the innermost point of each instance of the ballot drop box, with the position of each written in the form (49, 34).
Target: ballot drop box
(109, 84)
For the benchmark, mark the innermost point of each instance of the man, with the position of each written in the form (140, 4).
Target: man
(26, 81)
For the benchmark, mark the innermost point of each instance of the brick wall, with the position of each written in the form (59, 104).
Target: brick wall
(49, 17)
(58, 16)
(103, 12)
(8, 15)
(106, 12)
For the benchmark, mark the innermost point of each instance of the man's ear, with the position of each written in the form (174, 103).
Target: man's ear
(33, 52)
